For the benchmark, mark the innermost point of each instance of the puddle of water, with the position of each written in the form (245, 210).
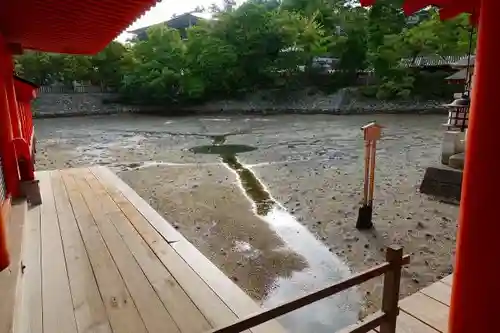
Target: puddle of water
(328, 315)
(254, 189)
(323, 267)
(215, 119)
(222, 149)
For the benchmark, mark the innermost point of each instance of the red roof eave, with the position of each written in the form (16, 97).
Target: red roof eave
(75, 27)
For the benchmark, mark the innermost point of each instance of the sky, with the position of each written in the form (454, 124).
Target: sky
(164, 11)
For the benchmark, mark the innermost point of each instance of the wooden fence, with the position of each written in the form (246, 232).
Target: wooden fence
(385, 319)
(74, 90)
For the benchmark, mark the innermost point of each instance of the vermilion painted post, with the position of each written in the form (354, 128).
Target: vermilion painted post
(11, 95)
(476, 287)
(9, 160)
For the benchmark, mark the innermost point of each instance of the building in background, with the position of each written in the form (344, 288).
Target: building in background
(181, 23)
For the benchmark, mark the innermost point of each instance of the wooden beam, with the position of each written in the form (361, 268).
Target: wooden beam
(15, 48)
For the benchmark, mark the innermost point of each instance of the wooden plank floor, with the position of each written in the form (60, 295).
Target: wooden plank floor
(427, 310)
(9, 276)
(98, 258)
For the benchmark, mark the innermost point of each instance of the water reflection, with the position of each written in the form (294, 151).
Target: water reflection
(323, 267)
(252, 186)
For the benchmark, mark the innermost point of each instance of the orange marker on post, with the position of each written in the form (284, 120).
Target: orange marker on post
(371, 133)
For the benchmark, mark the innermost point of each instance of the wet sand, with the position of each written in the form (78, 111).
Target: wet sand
(311, 168)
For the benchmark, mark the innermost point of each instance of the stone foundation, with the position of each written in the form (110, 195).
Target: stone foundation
(453, 143)
(442, 181)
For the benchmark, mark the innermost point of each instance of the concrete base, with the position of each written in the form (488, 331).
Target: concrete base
(442, 181)
(457, 161)
(453, 143)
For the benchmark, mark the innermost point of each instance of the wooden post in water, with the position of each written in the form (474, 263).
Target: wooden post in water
(371, 133)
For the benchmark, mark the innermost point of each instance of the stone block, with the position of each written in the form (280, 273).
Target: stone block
(457, 161)
(442, 181)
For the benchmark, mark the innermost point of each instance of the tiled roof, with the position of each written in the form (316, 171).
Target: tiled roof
(433, 61)
(177, 22)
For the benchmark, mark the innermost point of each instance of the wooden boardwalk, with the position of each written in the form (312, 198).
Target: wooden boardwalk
(427, 310)
(98, 258)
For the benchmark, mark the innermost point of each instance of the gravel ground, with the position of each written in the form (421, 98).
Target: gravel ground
(306, 170)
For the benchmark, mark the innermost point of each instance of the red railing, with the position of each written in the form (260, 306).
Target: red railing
(26, 122)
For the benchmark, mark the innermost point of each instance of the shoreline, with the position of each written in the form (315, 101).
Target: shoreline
(249, 112)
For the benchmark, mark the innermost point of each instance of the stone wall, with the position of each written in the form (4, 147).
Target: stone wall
(77, 104)
(345, 101)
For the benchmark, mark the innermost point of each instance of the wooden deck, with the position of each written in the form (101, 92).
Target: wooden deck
(427, 310)
(98, 258)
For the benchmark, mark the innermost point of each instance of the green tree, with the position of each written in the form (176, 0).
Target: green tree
(158, 67)
(109, 64)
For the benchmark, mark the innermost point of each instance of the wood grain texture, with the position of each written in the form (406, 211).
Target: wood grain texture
(121, 310)
(409, 324)
(28, 317)
(212, 307)
(168, 289)
(90, 313)
(11, 275)
(152, 311)
(427, 310)
(58, 314)
(439, 291)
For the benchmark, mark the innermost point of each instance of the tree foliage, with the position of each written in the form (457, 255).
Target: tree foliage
(259, 45)
(105, 67)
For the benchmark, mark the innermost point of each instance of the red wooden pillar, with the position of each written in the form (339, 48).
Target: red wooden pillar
(11, 95)
(7, 152)
(11, 172)
(476, 287)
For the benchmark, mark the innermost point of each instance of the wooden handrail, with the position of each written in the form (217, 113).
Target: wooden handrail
(392, 271)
